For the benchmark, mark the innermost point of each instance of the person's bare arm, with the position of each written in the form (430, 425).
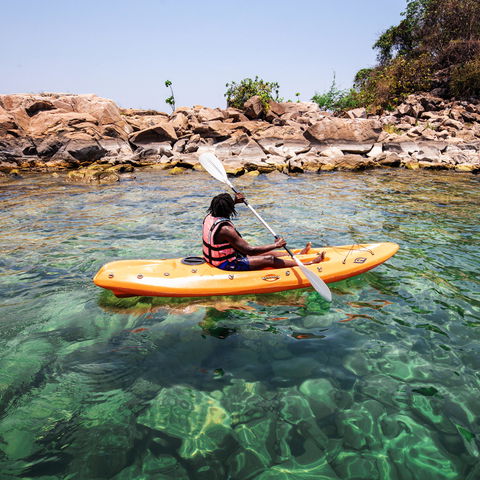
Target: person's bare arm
(227, 234)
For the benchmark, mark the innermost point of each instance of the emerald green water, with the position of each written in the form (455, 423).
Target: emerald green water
(381, 384)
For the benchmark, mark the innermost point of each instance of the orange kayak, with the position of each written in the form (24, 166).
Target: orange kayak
(192, 277)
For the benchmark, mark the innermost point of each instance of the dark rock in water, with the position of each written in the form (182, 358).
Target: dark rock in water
(48, 147)
(96, 173)
(85, 151)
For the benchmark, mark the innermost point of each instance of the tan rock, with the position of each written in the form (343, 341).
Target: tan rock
(93, 175)
(210, 114)
(161, 132)
(331, 152)
(468, 167)
(279, 162)
(192, 144)
(234, 166)
(357, 113)
(301, 108)
(141, 122)
(337, 130)
(7, 124)
(177, 171)
(179, 122)
(252, 151)
(259, 165)
(235, 115)
(253, 108)
(216, 129)
(276, 108)
(354, 162)
(327, 167)
(433, 165)
(185, 160)
(410, 164)
(285, 141)
(233, 145)
(388, 159)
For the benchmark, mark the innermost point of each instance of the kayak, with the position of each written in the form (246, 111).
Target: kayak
(193, 277)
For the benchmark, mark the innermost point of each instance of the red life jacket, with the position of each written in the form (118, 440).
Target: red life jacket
(216, 253)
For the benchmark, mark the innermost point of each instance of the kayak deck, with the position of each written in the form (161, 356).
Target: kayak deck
(172, 278)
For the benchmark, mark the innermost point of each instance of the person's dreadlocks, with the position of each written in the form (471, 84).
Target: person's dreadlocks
(222, 205)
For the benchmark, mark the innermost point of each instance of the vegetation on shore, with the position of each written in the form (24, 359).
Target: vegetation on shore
(435, 47)
(238, 93)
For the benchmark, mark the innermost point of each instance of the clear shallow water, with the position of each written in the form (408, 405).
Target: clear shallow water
(381, 384)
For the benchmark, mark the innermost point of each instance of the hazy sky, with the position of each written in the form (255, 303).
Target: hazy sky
(125, 50)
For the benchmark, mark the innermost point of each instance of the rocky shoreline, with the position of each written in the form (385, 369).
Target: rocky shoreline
(96, 141)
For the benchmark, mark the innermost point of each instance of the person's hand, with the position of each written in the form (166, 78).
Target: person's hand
(239, 198)
(280, 242)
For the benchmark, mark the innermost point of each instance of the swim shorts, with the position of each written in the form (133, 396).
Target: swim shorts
(240, 264)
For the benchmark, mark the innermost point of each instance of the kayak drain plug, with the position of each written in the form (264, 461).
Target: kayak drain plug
(139, 275)
(110, 275)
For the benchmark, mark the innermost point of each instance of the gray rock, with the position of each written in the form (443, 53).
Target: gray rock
(354, 147)
(376, 150)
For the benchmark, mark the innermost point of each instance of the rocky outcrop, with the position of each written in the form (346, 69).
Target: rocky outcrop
(71, 132)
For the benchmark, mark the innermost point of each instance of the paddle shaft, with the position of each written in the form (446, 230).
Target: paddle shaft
(262, 220)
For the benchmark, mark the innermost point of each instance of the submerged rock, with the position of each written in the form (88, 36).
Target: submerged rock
(197, 419)
(99, 173)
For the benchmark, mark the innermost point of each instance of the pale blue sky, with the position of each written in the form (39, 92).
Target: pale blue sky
(125, 50)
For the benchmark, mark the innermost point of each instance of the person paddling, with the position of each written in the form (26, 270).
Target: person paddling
(224, 247)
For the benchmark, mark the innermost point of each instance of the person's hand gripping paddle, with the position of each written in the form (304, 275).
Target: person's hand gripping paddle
(215, 168)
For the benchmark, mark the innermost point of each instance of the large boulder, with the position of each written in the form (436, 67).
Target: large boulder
(161, 132)
(341, 130)
(47, 123)
(286, 141)
(39, 114)
(85, 150)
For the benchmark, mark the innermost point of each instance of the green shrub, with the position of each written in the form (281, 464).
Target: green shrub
(465, 79)
(434, 37)
(335, 100)
(238, 93)
(386, 86)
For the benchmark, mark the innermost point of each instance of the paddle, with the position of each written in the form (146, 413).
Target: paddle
(215, 168)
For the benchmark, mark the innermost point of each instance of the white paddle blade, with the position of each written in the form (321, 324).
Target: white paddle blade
(214, 167)
(317, 283)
